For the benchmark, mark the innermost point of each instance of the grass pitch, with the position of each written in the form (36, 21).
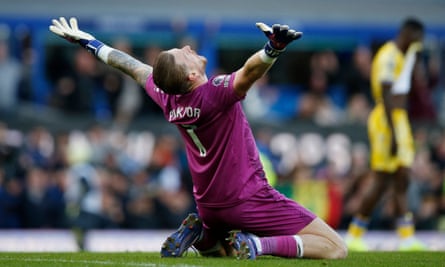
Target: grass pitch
(132, 259)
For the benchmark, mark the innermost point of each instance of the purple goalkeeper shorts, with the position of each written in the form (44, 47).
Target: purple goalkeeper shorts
(267, 213)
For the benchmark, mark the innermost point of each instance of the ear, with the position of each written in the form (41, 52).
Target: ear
(192, 76)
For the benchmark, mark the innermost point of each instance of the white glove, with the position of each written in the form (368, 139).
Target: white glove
(72, 33)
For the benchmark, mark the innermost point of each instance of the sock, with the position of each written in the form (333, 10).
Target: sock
(206, 241)
(405, 226)
(282, 246)
(358, 227)
(214, 251)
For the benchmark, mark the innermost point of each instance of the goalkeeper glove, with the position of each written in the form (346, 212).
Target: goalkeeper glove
(72, 33)
(279, 37)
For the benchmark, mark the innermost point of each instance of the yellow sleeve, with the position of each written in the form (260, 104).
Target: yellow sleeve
(386, 66)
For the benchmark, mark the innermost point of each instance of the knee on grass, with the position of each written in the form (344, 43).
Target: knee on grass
(336, 251)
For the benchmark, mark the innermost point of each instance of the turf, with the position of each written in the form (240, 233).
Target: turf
(92, 259)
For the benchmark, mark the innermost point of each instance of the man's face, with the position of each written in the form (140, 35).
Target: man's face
(189, 58)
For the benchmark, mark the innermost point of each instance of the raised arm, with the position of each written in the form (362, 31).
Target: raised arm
(113, 57)
(259, 63)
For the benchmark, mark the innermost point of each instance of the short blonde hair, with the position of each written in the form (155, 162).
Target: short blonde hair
(169, 76)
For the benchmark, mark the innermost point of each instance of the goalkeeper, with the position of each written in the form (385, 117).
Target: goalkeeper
(230, 188)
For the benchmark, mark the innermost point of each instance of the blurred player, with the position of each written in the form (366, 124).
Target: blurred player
(230, 187)
(390, 137)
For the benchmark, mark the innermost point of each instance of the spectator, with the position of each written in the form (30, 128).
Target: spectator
(315, 104)
(28, 61)
(38, 148)
(118, 185)
(10, 202)
(93, 205)
(175, 202)
(10, 70)
(142, 213)
(125, 96)
(420, 101)
(358, 86)
(327, 62)
(258, 105)
(75, 92)
(9, 150)
(357, 110)
(357, 75)
(44, 205)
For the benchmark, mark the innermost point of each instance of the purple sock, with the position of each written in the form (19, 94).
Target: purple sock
(282, 246)
(206, 242)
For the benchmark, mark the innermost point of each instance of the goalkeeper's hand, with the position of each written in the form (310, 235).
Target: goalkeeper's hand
(279, 37)
(72, 33)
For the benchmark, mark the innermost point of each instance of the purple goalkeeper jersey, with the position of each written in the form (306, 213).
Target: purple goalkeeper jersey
(221, 150)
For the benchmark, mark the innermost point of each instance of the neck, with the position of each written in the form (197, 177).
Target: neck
(198, 82)
(400, 44)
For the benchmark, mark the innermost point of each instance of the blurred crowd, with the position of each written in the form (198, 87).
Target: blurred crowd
(323, 86)
(117, 177)
(106, 178)
(92, 179)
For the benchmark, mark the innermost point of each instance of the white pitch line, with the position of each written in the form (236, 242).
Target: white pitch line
(94, 262)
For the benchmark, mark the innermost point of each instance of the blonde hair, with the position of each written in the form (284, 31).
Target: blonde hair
(169, 76)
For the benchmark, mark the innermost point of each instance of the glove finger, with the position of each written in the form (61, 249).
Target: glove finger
(283, 30)
(73, 23)
(294, 35)
(57, 24)
(263, 27)
(65, 24)
(298, 35)
(276, 28)
(56, 30)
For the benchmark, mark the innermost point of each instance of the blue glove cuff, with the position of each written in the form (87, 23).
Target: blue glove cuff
(271, 51)
(92, 46)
